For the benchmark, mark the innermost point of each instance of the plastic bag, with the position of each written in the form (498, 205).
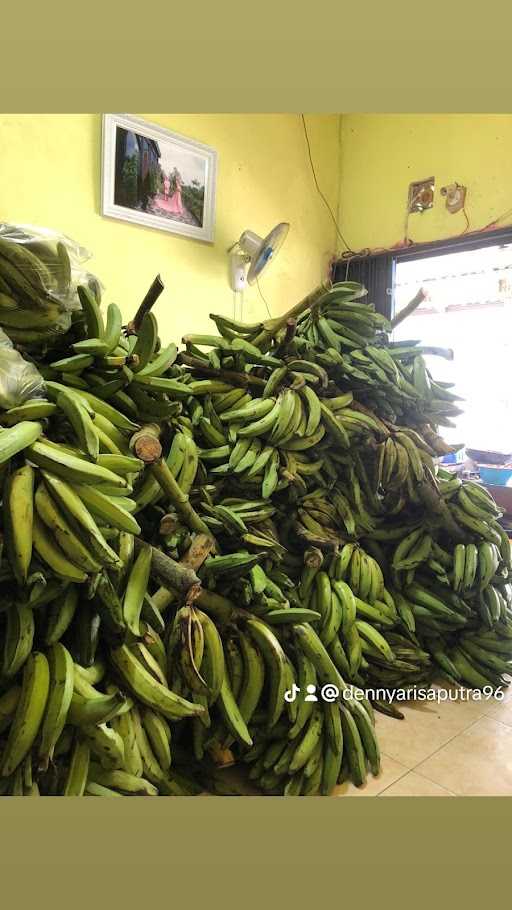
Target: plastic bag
(19, 379)
(40, 271)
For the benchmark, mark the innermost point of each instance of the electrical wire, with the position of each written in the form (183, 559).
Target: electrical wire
(406, 225)
(408, 209)
(495, 221)
(348, 253)
(325, 201)
(410, 243)
(263, 298)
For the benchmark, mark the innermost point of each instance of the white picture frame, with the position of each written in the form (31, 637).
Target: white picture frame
(157, 178)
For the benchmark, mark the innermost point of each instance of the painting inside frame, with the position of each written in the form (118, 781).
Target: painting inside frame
(157, 178)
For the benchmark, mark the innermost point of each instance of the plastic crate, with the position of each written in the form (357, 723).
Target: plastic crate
(454, 457)
(495, 477)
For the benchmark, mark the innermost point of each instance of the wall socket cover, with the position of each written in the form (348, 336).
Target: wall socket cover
(421, 195)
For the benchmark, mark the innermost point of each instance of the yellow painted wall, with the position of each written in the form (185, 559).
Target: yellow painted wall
(50, 175)
(382, 153)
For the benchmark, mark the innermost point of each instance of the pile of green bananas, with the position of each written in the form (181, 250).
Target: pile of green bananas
(194, 541)
(37, 296)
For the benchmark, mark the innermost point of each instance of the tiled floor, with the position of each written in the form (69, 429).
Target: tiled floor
(451, 748)
(460, 747)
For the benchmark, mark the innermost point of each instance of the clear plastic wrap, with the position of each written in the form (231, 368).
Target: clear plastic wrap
(40, 271)
(19, 379)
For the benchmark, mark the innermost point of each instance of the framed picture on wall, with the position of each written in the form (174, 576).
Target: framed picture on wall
(157, 178)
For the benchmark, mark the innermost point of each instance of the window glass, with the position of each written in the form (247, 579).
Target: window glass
(469, 309)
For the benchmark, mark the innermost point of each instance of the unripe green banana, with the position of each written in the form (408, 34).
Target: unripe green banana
(29, 712)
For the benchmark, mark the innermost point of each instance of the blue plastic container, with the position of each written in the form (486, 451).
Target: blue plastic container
(454, 457)
(496, 477)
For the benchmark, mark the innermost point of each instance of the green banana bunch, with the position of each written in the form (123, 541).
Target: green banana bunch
(297, 532)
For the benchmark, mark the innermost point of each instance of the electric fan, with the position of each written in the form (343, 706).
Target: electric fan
(252, 253)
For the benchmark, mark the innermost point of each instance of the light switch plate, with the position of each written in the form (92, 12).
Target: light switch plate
(455, 197)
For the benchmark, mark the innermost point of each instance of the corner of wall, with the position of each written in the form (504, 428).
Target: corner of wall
(338, 190)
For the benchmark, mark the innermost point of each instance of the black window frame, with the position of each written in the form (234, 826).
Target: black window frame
(377, 271)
